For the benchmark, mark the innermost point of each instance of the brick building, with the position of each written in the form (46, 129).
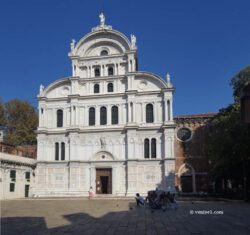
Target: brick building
(191, 165)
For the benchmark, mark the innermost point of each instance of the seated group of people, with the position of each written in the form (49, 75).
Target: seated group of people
(158, 199)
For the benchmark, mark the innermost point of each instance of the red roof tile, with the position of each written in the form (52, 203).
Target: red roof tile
(197, 115)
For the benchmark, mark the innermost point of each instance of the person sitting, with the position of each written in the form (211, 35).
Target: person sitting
(139, 200)
(174, 202)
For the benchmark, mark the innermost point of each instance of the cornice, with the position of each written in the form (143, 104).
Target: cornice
(95, 79)
(120, 128)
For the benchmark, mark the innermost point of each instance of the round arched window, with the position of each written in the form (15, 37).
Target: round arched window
(184, 134)
(104, 52)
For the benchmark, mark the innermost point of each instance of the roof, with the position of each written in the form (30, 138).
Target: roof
(198, 115)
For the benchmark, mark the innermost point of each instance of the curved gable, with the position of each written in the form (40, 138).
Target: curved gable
(112, 39)
(145, 81)
(59, 88)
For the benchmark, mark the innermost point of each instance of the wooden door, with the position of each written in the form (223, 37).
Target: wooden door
(103, 181)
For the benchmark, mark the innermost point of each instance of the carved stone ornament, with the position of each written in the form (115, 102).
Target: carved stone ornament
(102, 24)
(41, 89)
(133, 40)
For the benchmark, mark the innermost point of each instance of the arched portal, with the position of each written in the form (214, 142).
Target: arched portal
(186, 178)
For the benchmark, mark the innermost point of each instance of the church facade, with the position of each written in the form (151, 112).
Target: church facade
(108, 126)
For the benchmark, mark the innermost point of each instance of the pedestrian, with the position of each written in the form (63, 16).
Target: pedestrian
(90, 192)
(139, 200)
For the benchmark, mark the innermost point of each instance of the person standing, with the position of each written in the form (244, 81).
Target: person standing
(90, 192)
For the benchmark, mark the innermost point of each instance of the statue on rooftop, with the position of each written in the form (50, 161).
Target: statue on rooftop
(133, 40)
(102, 19)
(41, 89)
(72, 44)
(168, 80)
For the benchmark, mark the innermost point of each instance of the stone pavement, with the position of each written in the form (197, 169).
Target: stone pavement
(81, 216)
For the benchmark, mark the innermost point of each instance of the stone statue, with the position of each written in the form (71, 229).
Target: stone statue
(72, 44)
(102, 19)
(103, 142)
(133, 40)
(41, 89)
(168, 80)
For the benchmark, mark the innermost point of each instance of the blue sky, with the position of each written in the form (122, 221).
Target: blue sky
(202, 44)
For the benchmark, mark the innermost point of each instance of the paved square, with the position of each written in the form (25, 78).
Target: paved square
(102, 216)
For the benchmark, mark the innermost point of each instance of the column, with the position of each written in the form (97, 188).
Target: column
(116, 86)
(86, 115)
(97, 115)
(117, 68)
(158, 148)
(134, 108)
(64, 117)
(54, 119)
(114, 180)
(129, 111)
(119, 113)
(71, 116)
(105, 87)
(77, 115)
(90, 71)
(40, 117)
(133, 65)
(171, 110)
(154, 112)
(101, 71)
(92, 178)
(87, 71)
(144, 113)
(88, 88)
(165, 110)
(109, 115)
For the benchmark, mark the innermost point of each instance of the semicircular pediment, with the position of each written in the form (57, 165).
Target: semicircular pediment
(59, 88)
(110, 46)
(102, 156)
(109, 37)
(145, 81)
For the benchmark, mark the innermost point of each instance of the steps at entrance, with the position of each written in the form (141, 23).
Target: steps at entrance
(111, 197)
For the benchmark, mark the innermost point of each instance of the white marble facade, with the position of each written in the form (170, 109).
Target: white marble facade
(104, 75)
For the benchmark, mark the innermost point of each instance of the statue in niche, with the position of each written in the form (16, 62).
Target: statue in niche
(103, 142)
(102, 19)
(41, 89)
(133, 40)
(72, 45)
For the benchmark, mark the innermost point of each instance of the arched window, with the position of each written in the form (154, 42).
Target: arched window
(146, 148)
(103, 116)
(104, 52)
(92, 116)
(62, 151)
(59, 118)
(110, 87)
(153, 148)
(114, 115)
(56, 151)
(97, 72)
(168, 103)
(96, 88)
(149, 113)
(111, 71)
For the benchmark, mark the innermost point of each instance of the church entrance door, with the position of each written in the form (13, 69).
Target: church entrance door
(104, 181)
